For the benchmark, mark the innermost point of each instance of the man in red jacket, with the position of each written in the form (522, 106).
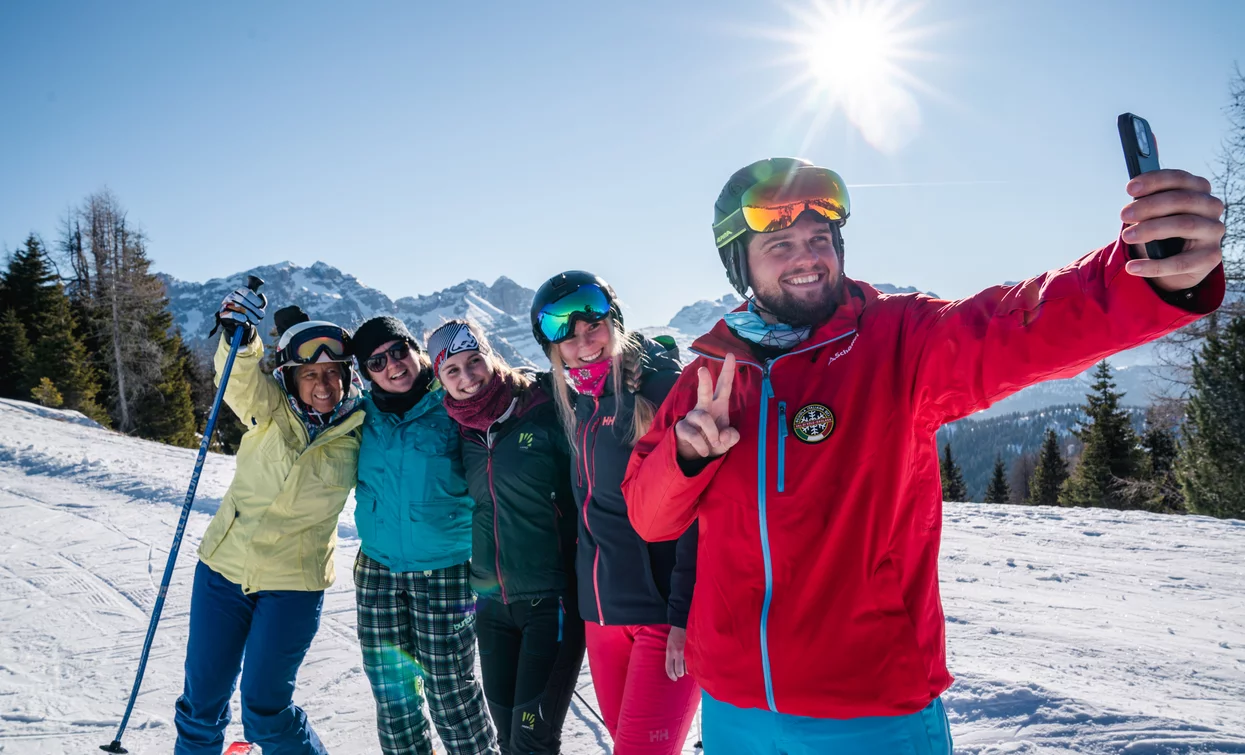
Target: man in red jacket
(803, 444)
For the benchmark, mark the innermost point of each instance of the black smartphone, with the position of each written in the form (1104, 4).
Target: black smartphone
(1141, 153)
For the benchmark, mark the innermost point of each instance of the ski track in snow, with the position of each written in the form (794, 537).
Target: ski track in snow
(1085, 631)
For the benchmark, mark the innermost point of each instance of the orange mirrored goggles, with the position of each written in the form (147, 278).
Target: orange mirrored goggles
(777, 202)
(325, 343)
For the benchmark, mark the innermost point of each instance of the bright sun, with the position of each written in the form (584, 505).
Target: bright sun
(854, 52)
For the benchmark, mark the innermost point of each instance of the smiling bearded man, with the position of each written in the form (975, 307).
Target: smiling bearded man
(803, 445)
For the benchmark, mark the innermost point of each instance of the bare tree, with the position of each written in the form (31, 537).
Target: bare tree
(112, 287)
(1230, 180)
(1176, 350)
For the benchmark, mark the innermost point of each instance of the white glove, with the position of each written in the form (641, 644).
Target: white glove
(241, 308)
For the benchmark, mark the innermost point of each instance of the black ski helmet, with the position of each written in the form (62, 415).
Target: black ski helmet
(560, 286)
(734, 253)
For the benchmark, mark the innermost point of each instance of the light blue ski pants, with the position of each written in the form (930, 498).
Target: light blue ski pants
(748, 731)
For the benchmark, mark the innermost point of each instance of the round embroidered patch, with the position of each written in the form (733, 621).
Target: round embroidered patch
(813, 423)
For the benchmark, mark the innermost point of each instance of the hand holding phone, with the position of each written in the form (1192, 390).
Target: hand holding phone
(1141, 153)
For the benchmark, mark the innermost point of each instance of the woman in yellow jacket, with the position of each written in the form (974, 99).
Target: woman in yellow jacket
(267, 556)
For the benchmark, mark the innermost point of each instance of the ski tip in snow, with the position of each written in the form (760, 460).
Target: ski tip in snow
(241, 748)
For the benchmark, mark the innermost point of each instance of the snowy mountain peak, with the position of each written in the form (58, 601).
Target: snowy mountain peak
(327, 293)
(699, 318)
(511, 298)
(502, 309)
(887, 288)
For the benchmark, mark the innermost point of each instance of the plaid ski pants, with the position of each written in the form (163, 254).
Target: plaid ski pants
(417, 632)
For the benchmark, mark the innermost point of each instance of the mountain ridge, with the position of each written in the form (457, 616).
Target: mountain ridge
(503, 307)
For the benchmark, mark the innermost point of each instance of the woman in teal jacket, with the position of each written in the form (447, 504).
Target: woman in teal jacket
(416, 609)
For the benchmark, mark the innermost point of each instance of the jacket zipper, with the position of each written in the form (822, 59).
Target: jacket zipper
(496, 537)
(767, 393)
(782, 446)
(587, 453)
(404, 508)
(557, 517)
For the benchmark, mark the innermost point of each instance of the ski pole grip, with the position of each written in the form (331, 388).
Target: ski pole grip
(253, 282)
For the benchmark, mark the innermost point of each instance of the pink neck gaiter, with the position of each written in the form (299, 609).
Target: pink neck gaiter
(590, 379)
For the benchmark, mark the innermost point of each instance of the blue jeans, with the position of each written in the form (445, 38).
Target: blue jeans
(273, 629)
(748, 731)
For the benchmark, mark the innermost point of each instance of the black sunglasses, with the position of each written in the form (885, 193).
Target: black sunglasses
(397, 352)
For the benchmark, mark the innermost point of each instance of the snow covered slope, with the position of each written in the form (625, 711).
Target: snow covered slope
(1087, 631)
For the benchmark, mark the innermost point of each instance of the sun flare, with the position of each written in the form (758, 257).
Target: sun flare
(854, 55)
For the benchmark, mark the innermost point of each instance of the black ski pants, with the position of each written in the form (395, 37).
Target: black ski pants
(530, 656)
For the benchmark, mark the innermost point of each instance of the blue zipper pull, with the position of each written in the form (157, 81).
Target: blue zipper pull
(782, 446)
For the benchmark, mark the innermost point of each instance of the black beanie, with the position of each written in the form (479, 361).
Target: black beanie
(287, 317)
(377, 331)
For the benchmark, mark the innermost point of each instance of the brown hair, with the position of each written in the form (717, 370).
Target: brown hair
(422, 359)
(627, 356)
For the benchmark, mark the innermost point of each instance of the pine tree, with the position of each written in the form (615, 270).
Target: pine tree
(27, 280)
(998, 490)
(1021, 477)
(953, 487)
(16, 357)
(45, 394)
(165, 411)
(229, 429)
(1050, 473)
(1111, 456)
(1211, 468)
(57, 350)
(1161, 487)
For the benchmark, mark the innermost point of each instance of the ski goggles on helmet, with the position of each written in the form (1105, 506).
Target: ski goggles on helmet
(556, 320)
(314, 345)
(777, 202)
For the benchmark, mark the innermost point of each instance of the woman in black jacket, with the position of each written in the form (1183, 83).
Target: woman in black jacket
(523, 537)
(634, 596)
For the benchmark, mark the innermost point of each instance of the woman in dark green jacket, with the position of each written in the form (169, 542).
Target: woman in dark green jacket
(517, 465)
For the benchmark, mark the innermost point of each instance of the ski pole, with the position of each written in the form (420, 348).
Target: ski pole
(590, 708)
(253, 283)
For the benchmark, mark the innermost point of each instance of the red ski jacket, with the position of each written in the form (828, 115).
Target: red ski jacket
(817, 584)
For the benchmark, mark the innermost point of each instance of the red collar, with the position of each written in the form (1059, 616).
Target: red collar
(720, 341)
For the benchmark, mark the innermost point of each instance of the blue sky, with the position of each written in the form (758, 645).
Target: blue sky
(416, 144)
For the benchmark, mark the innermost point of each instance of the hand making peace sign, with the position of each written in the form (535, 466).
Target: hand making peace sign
(706, 432)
